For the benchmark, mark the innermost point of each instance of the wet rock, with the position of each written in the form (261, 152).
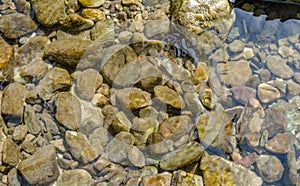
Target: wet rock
(49, 13)
(13, 177)
(278, 66)
(136, 157)
(268, 92)
(41, 167)
(250, 122)
(130, 2)
(169, 96)
(219, 171)
(12, 101)
(91, 3)
(20, 132)
(201, 73)
(74, 177)
(235, 73)
(269, 168)
(133, 98)
(118, 148)
(55, 79)
(236, 46)
(86, 83)
(129, 75)
(23, 6)
(93, 14)
(35, 70)
(142, 128)
(164, 178)
(10, 153)
(68, 110)
(184, 178)
(185, 155)
(67, 52)
(285, 51)
(292, 166)
(175, 127)
(220, 55)
(243, 93)
(208, 98)
(150, 76)
(80, 147)
(16, 25)
(83, 35)
(175, 70)
(104, 32)
(76, 22)
(115, 59)
(6, 53)
(99, 100)
(275, 121)
(293, 88)
(152, 2)
(125, 36)
(121, 123)
(99, 138)
(156, 27)
(193, 103)
(281, 143)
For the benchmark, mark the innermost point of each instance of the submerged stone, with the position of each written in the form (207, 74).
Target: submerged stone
(6, 53)
(169, 96)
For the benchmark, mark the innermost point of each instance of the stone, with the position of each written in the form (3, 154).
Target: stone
(80, 147)
(16, 25)
(275, 121)
(175, 70)
(136, 157)
(125, 36)
(219, 171)
(169, 96)
(150, 75)
(91, 3)
(152, 2)
(67, 52)
(121, 123)
(184, 178)
(55, 79)
(220, 55)
(293, 88)
(236, 46)
(34, 71)
(20, 132)
(118, 148)
(13, 177)
(235, 73)
(278, 67)
(86, 83)
(248, 53)
(243, 93)
(12, 102)
(285, 51)
(164, 178)
(74, 177)
(133, 98)
(99, 138)
(76, 22)
(128, 75)
(182, 156)
(10, 152)
(201, 73)
(68, 110)
(103, 32)
(130, 2)
(267, 92)
(49, 13)
(193, 103)
(156, 27)
(175, 127)
(31, 120)
(6, 53)
(40, 167)
(269, 168)
(281, 143)
(142, 128)
(93, 14)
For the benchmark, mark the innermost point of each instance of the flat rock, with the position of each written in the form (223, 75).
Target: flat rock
(87, 82)
(16, 25)
(48, 13)
(243, 93)
(76, 22)
(6, 53)
(269, 168)
(99, 138)
(278, 67)
(136, 157)
(74, 177)
(91, 3)
(67, 52)
(235, 73)
(175, 70)
(219, 171)
(268, 92)
(293, 88)
(281, 143)
(104, 32)
(142, 128)
(31, 120)
(55, 79)
(10, 152)
(80, 147)
(68, 110)
(12, 101)
(185, 155)
(35, 70)
(41, 167)
(236, 46)
(169, 96)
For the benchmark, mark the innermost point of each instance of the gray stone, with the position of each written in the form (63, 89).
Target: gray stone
(236, 46)
(34, 71)
(103, 32)
(20, 132)
(278, 66)
(176, 71)
(185, 155)
(10, 153)
(268, 92)
(136, 157)
(80, 147)
(12, 177)
(49, 13)
(99, 138)
(16, 25)
(243, 93)
(74, 177)
(269, 168)
(281, 143)
(293, 88)
(125, 36)
(68, 110)
(41, 167)
(121, 123)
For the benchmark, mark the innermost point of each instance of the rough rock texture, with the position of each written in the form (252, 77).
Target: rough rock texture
(16, 25)
(169, 96)
(76, 22)
(269, 167)
(74, 177)
(41, 167)
(6, 53)
(278, 66)
(184, 178)
(281, 143)
(10, 152)
(91, 3)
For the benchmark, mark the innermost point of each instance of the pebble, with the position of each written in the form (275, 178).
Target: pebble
(293, 88)
(281, 143)
(6, 53)
(76, 22)
(267, 92)
(184, 178)
(169, 96)
(136, 157)
(93, 14)
(74, 177)
(243, 93)
(34, 71)
(236, 46)
(278, 66)
(164, 178)
(92, 3)
(269, 168)
(104, 32)
(10, 152)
